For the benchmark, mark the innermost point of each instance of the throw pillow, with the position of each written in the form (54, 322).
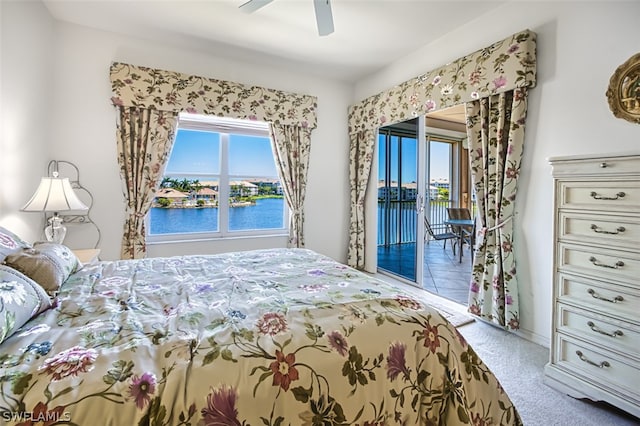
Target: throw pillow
(20, 300)
(48, 264)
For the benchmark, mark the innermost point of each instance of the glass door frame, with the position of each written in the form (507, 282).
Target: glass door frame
(419, 203)
(421, 200)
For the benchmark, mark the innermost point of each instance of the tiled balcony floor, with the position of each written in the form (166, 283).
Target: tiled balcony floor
(443, 274)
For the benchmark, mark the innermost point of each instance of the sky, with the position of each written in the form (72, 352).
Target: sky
(439, 162)
(198, 152)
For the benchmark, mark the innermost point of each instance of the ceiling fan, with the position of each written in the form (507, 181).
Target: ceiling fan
(324, 18)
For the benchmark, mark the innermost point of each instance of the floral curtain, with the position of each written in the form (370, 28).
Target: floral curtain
(495, 126)
(500, 67)
(144, 138)
(291, 146)
(293, 116)
(361, 152)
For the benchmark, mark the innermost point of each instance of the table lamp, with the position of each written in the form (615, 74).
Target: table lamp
(54, 194)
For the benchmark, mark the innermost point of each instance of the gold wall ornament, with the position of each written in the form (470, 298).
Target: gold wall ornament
(624, 90)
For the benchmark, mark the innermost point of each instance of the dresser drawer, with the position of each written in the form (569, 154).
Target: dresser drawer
(606, 332)
(618, 374)
(596, 166)
(623, 196)
(600, 263)
(600, 296)
(614, 231)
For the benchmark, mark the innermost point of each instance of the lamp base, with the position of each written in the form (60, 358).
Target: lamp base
(55, 231)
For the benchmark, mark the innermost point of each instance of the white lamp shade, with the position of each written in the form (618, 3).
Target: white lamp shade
(54, 195)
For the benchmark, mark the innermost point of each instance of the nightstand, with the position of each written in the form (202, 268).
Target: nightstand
(86, 256)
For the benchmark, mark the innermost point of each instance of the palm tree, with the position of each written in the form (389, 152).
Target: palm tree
(196, 185)
(184, 185)
(167, 182)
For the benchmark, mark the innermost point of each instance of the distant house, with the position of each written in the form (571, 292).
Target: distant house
(440, 182)
(385, 191)
(273, 185)
(435, 185)
(213, 184)
(433, 192)
(249, 187)
(207, 194)
(243, 188)
(176, 197)
(408, 191)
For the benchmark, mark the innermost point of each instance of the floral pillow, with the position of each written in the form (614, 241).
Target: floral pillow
(10, 243)
(20, 300)
(48, 264)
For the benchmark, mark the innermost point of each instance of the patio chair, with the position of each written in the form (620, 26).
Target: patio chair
(444, 236)
(468, 233)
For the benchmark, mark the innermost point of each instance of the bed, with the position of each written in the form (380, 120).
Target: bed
(267, 337)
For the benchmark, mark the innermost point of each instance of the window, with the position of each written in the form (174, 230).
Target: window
(220, 182)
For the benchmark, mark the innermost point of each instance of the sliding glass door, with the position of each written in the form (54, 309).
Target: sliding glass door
(400, 200)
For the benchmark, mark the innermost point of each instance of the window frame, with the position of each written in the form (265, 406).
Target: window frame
(225, 127)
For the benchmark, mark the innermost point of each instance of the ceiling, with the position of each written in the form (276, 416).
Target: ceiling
(369, 34)
(455, 114)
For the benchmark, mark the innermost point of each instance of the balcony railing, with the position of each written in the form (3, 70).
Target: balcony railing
(397, 224)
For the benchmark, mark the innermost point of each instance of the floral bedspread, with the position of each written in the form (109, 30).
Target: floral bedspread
(268, 337)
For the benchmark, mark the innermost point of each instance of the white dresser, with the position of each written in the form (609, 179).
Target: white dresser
(595, 341)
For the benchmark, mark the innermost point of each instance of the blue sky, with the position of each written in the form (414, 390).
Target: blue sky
(439, 162)
(199, 152)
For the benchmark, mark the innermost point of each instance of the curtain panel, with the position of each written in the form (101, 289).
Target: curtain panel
(291, 146)
(496, 143)
(361, 150)
(501, 67)
(144, 138)
(158, 93)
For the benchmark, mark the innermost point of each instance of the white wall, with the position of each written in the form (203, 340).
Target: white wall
(580, 44)
(25, 105)
(84, 132)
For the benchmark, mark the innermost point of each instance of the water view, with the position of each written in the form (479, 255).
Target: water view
(266, 213)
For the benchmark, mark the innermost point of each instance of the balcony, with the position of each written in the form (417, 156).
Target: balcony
(443, 273)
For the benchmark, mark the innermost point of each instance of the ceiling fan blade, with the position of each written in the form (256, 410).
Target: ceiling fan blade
(253, 5)
(324, 18)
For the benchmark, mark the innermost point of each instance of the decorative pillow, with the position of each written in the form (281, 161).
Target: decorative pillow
(20, 300)
(10, 243)
(48, 264)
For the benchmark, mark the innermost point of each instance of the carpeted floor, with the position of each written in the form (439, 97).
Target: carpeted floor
(519, 365)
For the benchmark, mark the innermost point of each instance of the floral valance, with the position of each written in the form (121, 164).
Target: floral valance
(501, 67)
(151, 88)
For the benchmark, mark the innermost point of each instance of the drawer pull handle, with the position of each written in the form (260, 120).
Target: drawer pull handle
(583, 358)
(619, 263)
(593, 294)
(602, 197)
(595, 328)
(599, 230)
(603, 165)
